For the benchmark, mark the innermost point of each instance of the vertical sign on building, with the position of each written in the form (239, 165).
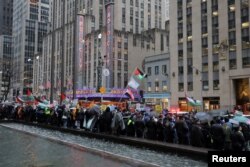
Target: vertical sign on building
(79, 50)
(109, 43)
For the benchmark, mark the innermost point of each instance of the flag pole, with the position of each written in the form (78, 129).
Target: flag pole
(123, 94)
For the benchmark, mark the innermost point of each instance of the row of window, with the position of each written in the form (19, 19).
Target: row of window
(157, 87)
(156, 70)
(205, 86)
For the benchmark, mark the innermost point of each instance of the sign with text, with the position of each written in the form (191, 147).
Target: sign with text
(229, 158)
(79, 49)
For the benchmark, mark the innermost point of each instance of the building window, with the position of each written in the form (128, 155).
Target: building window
(204, 42)
(119, 65)
(149, 71)
(205, 85)
(190, 86)
(181, 87)
(216, 66)
(157, 86)
(204, 67)
(125, 78)
(125, 56)
(232, 60)
(131, 2)
(164, 69)
(125, 66)
(232, 38)
(156, 70)
(180, 70)
(119, 45)
(125, 45)
(164, 86)
(204, 7)
(246, 58)
(216, 84)
(134, 40)
(123, 15)
(189, 66)
(245, 38)
(149, 86)
(231, 19)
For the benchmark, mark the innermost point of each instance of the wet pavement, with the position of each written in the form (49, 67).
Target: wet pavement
(18, 149)
(161, 159)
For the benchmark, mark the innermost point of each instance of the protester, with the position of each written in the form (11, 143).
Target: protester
(166, 127)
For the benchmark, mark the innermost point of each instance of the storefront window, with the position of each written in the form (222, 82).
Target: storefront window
(164, 86)
(149, 86)
(157, 86)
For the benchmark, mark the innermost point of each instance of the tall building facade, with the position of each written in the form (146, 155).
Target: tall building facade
(6, 10)
(31, 22)
(210, 52)
(5, 65)
(137, 30)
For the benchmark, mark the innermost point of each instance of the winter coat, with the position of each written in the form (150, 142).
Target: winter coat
(196, 136)
(139, 128)
(238, 141)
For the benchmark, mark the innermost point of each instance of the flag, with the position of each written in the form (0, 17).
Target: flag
(129, 93)
(193, 102)
(38, 100)
(28, 92)
(63, 96)
(139, 74)
(19, 100)
(133, 84)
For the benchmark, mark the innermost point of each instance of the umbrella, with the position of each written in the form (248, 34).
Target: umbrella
(95, 109)
(242, 119)
(203, 116)
(218, 113)
(232, 121)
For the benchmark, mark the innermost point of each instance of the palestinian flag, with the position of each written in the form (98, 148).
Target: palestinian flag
(139, 74)
(129, 93)
(193, 102)
(133, 84)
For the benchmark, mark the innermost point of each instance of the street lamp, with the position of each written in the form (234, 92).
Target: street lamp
(201, 85)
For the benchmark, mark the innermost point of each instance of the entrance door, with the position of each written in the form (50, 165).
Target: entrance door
(242, 92)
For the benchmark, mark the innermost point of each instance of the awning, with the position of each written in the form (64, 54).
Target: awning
(156, 95)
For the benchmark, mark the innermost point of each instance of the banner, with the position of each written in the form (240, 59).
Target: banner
(79, 49)
(109, 42)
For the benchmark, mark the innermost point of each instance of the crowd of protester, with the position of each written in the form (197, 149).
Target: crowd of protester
(184, 129)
